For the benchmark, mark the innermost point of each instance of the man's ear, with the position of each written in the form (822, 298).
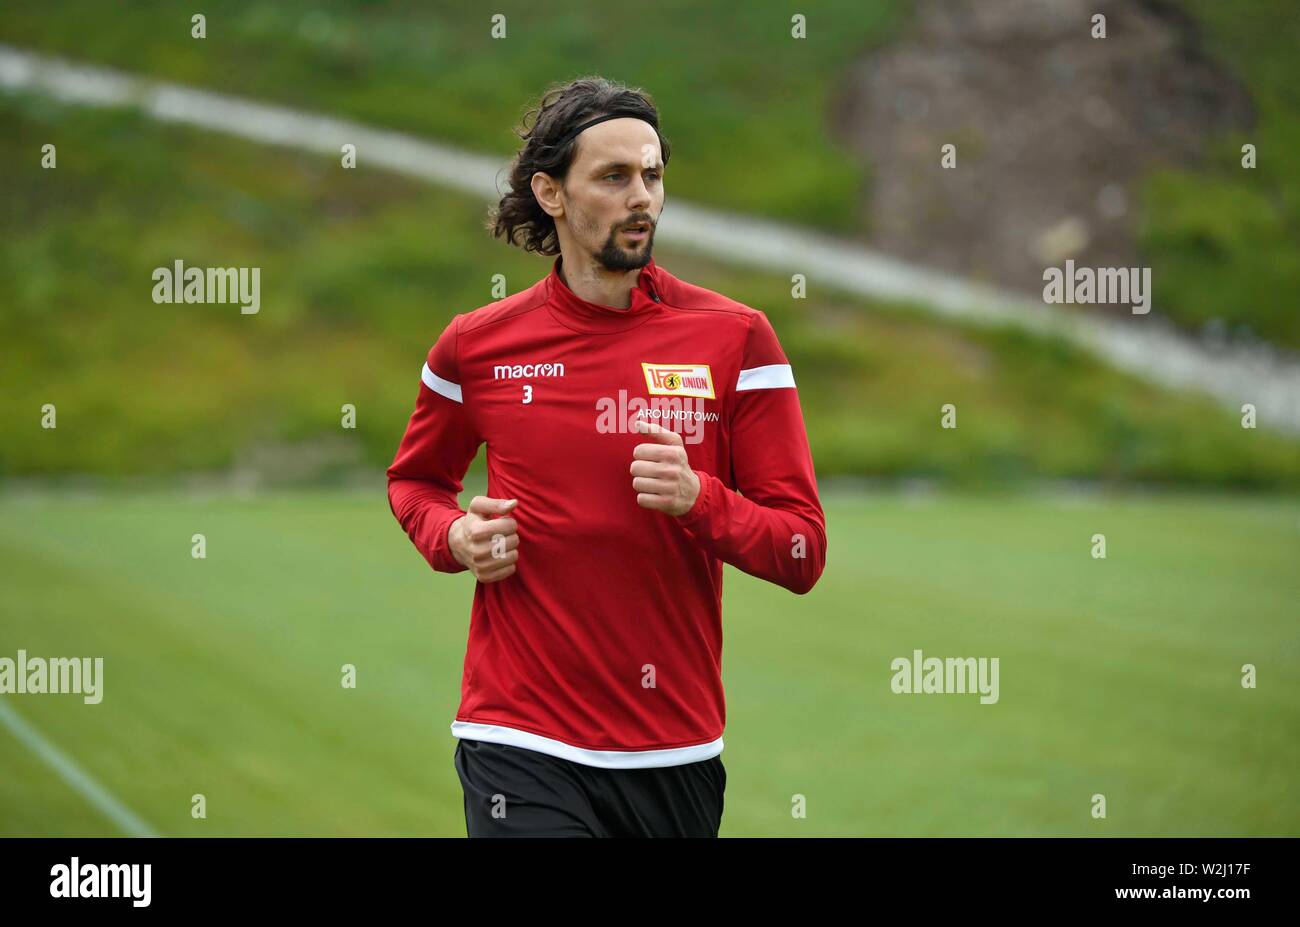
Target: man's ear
(547, 190)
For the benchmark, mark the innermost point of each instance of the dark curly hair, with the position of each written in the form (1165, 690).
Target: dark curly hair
(519, 218)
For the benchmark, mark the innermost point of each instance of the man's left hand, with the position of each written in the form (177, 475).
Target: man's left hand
(662, 475)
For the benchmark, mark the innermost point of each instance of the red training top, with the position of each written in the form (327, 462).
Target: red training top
(605, 645)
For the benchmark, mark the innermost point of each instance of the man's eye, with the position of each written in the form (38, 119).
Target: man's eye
(615, 176)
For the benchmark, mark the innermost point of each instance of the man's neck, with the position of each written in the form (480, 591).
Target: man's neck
(597, 285)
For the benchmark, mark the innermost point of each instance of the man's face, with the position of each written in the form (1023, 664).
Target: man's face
(614, 183)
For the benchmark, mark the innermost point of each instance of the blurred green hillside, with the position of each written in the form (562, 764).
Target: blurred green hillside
(1224, 242)
(360, 272)
(724, 76)
(744, 105)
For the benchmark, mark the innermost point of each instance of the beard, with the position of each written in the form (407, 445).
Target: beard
(615, 257)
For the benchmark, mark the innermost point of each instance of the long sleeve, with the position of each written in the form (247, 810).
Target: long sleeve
(441, 440)
(773, 527)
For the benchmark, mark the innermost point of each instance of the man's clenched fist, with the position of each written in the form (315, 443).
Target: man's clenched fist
(661, 474)
(485, 539)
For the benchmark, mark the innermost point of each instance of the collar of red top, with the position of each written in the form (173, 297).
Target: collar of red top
(576, 312)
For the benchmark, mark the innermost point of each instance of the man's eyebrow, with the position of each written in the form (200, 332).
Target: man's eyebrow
(619, 165)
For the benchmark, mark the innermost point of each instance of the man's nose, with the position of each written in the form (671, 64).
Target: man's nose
(639, 194)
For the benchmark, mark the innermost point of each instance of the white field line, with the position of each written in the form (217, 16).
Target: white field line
(1149, 348)
(81, 782)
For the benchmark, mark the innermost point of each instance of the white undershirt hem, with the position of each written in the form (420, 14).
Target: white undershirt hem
(606, 759)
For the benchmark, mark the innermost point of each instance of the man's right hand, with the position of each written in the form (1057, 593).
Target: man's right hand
(486, 539)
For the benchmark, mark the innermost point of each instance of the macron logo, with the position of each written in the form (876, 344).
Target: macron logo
(513, 371)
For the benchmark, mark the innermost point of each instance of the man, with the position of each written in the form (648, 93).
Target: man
(640, 431)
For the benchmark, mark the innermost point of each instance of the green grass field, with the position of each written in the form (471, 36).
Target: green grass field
(1119, 676)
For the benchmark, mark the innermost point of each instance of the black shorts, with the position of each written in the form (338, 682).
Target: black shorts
(515, 792)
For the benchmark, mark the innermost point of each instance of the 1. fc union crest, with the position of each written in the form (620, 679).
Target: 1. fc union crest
(679, 380)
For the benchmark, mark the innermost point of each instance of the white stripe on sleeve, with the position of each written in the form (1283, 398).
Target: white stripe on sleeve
(773, 376)
(440, 386)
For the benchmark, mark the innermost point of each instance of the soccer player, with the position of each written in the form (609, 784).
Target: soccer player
(641, 431)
